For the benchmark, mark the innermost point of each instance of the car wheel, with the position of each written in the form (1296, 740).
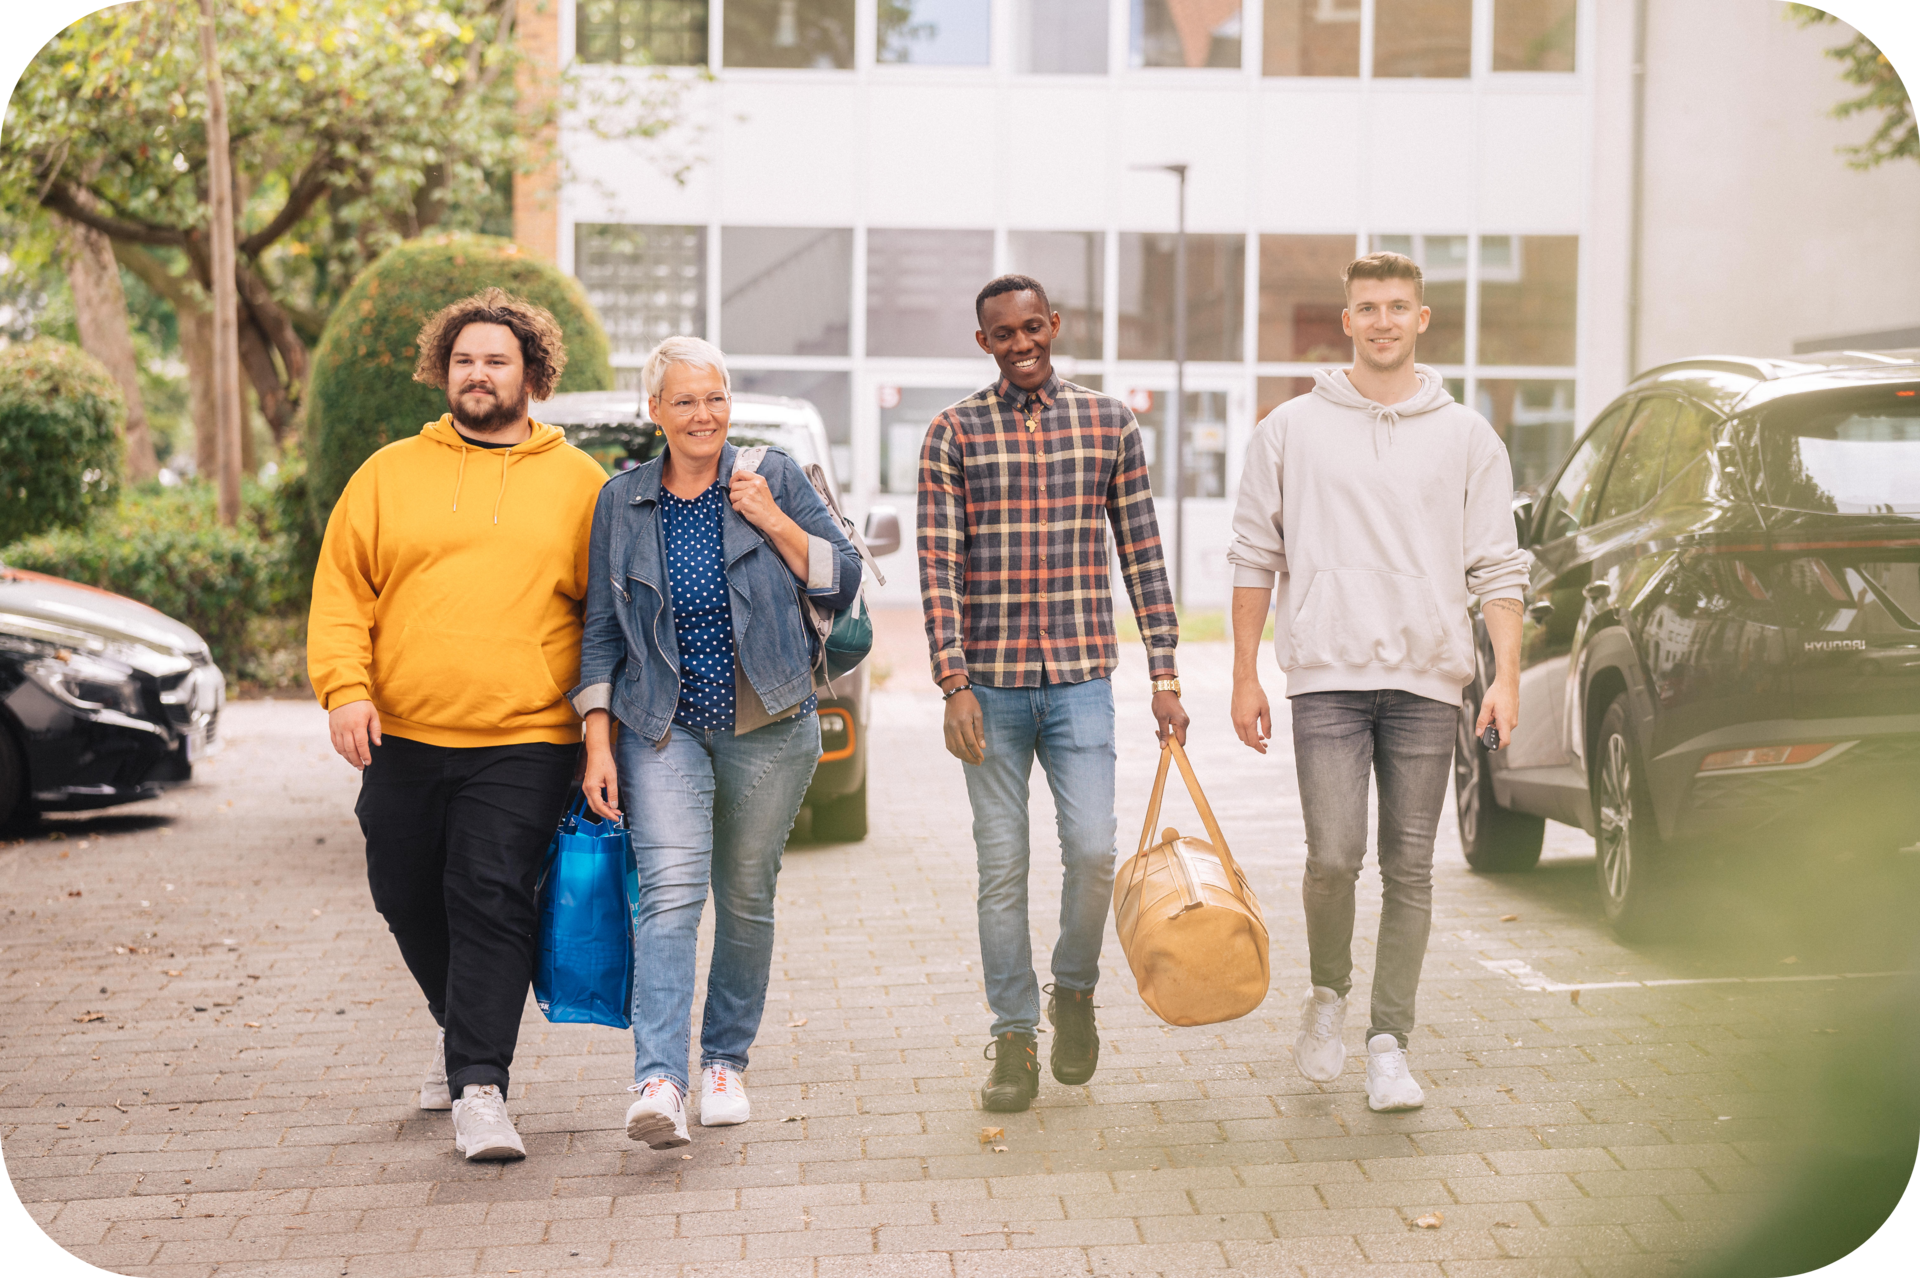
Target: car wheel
(1496, 840)
(13, 783)
(1628, 856)
(842, 820)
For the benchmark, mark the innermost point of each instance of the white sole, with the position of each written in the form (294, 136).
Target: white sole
(655, 1131)
(723, 1122)
(501, 1153)
(1393, 1109)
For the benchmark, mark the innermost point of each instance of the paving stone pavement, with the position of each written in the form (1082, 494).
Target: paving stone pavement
(211, 1050)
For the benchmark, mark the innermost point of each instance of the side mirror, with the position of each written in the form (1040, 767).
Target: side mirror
(1522, 515)
(882, 531)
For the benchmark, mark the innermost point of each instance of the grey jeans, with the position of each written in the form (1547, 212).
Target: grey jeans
(1406, 741)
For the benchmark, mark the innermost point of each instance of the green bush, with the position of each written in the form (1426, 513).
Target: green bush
(167, 548)
(60, 416)
(362, 394)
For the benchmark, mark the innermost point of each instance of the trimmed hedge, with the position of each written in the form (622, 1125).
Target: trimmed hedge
(362, 395)
(60, 418)
(167, 548)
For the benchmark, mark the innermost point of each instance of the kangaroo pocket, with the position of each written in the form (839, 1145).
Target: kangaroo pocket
(462, 679)
(1360, 617)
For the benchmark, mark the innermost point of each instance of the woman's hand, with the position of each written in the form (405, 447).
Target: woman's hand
(600, 779)
(753, 501)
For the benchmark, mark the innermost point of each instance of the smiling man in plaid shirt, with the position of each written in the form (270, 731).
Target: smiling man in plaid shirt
(1017, 486)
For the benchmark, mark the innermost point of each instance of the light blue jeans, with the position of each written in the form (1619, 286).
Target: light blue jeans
(708, 808)
(1070, 727)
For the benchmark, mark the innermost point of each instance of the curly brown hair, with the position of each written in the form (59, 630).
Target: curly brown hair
(541, 344)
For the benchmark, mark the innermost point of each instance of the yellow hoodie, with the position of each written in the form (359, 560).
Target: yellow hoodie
(450, 588)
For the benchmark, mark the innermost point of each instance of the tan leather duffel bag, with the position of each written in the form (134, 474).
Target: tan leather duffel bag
(1189, 923)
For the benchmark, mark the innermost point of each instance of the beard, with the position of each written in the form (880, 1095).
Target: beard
(501, 414)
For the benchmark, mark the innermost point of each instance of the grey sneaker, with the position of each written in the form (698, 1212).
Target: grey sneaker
(481, 1129)
(1389, 1085)
(433, 1083)
(1318, 1050)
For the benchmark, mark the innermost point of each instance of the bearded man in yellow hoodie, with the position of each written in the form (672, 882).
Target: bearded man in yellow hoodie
(446, 625)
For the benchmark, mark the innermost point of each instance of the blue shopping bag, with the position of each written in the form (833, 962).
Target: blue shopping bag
(584, 973)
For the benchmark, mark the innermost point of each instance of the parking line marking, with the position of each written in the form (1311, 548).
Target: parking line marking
(1538, 983)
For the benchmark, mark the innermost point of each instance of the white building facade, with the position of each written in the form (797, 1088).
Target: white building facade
(863, 166)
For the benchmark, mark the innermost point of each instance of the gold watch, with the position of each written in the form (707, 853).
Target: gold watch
(1167, 685)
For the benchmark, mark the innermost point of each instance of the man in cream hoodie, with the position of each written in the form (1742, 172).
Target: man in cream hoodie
(1380, 508)
(446, 620)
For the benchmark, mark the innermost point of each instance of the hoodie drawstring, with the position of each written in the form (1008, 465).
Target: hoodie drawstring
(1382, 413)
(506, 455)
(458, 480)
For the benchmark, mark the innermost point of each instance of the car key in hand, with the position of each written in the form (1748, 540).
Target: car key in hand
(1491, 737)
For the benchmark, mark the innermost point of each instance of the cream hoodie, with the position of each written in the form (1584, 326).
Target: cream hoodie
(1380, 523)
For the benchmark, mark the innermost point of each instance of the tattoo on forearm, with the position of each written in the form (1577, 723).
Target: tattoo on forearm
(1504, 605)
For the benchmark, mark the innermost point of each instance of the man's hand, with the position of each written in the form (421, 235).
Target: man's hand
(1252, 716)
(1501, 706)
(355, 729)
(1171, 716)
(965, 729)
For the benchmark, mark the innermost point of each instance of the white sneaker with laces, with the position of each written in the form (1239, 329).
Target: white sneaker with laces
(1389, 1085)
(723, 1097)
(433, 1084)
(481, 1129)
(1318, 1050)
(658, 1119)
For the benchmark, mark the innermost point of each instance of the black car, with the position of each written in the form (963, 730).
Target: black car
(611, 426)
(102, 700)
(1721, 648)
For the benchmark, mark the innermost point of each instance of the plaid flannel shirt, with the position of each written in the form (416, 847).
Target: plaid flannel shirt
(1016, 490)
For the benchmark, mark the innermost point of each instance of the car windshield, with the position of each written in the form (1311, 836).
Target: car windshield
(1857, 454)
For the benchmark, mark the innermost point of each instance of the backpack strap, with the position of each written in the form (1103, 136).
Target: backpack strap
(749, 460)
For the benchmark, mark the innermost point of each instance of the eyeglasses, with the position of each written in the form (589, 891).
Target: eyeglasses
(716, 403)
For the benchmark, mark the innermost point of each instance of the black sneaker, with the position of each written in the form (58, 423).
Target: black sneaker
(1015, 1079)
(1076, 1046)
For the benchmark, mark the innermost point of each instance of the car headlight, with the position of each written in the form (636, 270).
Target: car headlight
(87, 683)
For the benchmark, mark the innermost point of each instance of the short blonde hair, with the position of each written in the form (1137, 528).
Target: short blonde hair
(681, 350)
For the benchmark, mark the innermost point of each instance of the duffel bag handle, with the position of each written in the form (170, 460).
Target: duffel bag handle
(1171, 751)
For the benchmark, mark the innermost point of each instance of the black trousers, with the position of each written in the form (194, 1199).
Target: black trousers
(455, 840)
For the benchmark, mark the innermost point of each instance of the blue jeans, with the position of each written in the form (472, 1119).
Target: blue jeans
(708, 807)
(1406, 741)
(1070, 726)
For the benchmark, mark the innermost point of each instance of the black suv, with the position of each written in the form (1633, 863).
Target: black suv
(1722, 637)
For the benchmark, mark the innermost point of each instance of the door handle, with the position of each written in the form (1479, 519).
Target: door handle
(1540, 610)
(1597, 591)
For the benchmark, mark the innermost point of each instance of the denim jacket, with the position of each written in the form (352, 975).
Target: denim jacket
(630, 655)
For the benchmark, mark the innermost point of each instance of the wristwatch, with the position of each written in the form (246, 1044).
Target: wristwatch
(1167, 685)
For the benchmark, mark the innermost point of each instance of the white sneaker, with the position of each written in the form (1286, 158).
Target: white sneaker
(658, 1119)
(723, 1097)
(1318, 1050)
(1389, 1085)
(481, 1129)
(433, 1083)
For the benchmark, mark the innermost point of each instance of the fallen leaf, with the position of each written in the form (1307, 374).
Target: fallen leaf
(1575, 997)
(76, 891)
(1431, 1220)
(793, 1118)
(795, 1022)
(63, 1126)
(684, 1158)
(90, 1016)
(1504, 1224)
(1509, 918)
(172, 972)
(253, 1024)
(999, 1149)
(991, 1134)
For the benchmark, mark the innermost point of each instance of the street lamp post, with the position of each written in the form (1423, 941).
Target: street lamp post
(1174, 456)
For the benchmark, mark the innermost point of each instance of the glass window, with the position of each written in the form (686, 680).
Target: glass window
(789, 33)
(785, 290)
(1071, 266)
(1203, 458)
(905, 414)
(1635, 476)
(1427, 39)
(1061, 37)
(1848, 454)
(1216, 293)
(828, 392)
(1186, 33)
(1271, 392)
(920, 291)
(1533, 35)
(647, 282)
(641, 32)
(1311, 37)
(1691, 437)
(1443, 261)
(950, 33)
(1567, 504)
(1301, 298)
(1529, 288)
(1536, 420)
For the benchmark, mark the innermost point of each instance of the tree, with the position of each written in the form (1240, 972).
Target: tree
(354, 123)
(1898, 136)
